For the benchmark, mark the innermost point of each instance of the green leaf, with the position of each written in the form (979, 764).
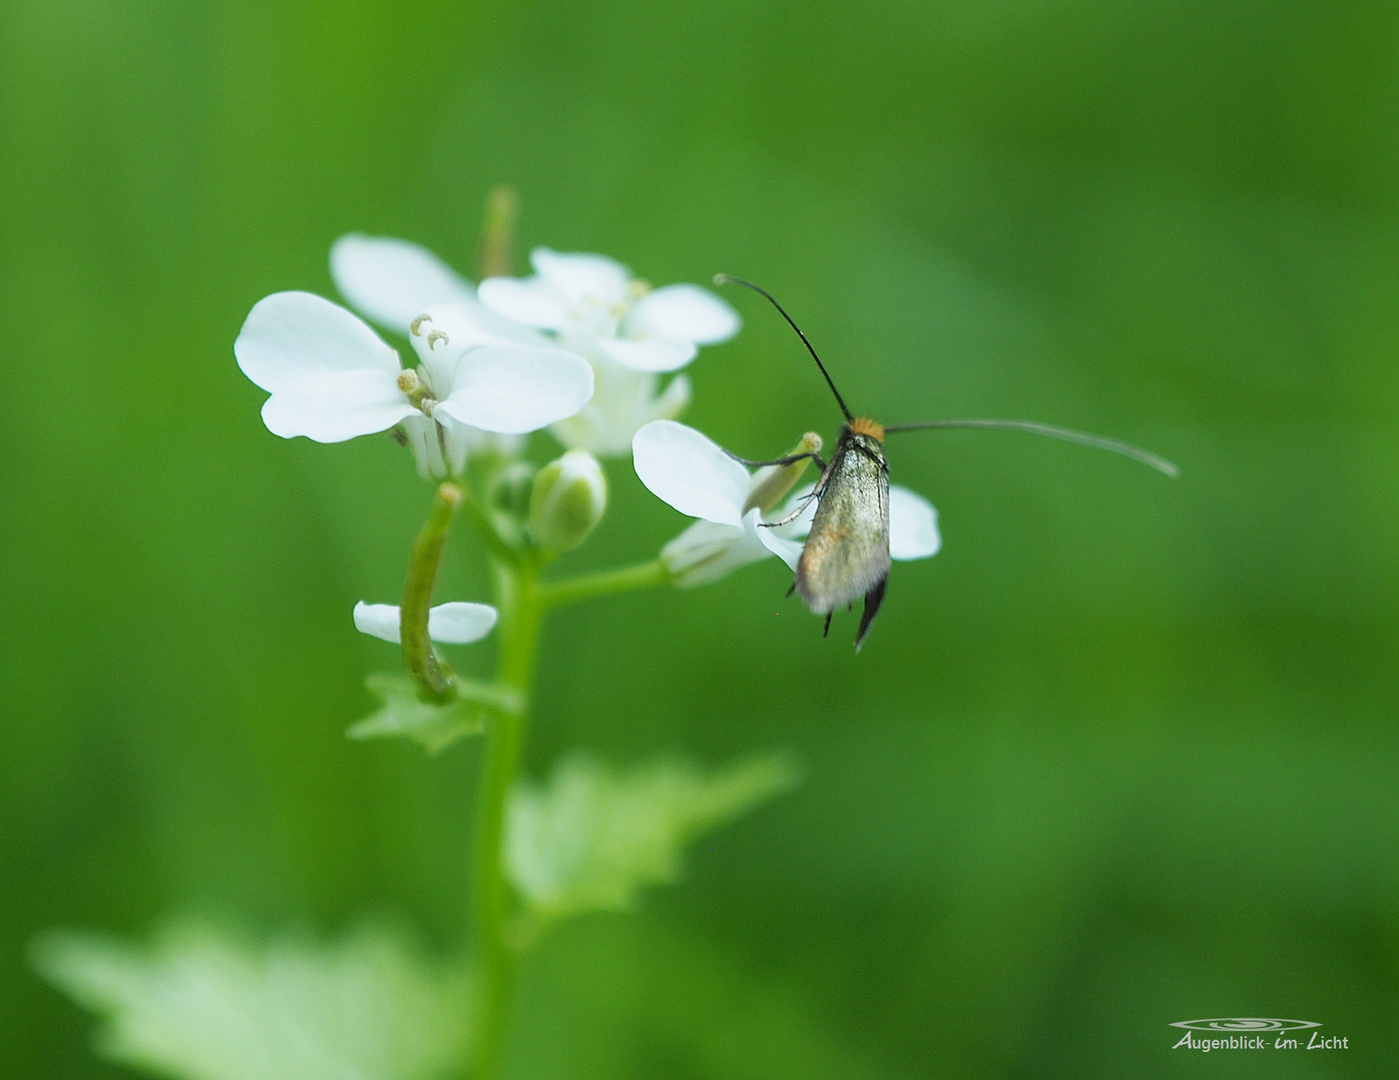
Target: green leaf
(595, 837)
(202, 1005)
(404, 714)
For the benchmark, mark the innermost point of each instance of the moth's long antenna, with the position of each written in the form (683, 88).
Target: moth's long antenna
(729, 279)
(1136, 453)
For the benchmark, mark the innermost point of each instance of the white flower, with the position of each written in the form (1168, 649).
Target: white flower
(628, 331)
(332, 378)
(685, 469)
(457, 623)
(391, 282)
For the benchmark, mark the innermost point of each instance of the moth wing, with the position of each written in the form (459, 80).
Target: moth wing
(847, 551)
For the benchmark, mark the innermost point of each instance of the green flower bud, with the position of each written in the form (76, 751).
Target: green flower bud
(568, 500)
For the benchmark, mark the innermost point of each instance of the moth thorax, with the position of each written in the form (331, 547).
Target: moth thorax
(863, 425)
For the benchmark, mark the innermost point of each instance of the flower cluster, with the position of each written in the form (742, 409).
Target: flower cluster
(629, 333)
(580, 347)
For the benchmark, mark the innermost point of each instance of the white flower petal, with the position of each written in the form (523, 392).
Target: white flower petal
(913, 525)
(290, 335)
(378, 620)
(511, 389)
(460, 623)
(789, 551)
(580, 277)
(393, 281)
(649, 353)
(672, 400)
(447, 331)
(531, 301)
(685, 313)
(685, 469)
(333, 407)
(456, 623)
(707, 551)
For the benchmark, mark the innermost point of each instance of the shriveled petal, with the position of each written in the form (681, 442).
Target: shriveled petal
(684, 313)
(290, 335)
(460, 623)
(456, 623)
(649, 353)
(531, 301)
(333, 407)
(511, 389)
(685, 469)
(393, 281)
(579, 276)
(913, 525)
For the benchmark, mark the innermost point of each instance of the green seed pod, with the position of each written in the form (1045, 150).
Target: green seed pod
(772, 482)
(568, 501)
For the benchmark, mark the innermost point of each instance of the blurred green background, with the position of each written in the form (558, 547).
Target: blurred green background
(1123, 754)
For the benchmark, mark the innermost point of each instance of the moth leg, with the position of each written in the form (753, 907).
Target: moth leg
(791, 459)
(873, 599)
(790, 517)
(791, 589)
(827, 630)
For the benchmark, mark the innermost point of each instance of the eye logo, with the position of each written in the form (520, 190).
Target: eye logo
(1249, 1024)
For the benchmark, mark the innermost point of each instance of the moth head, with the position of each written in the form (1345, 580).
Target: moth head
(863, 425)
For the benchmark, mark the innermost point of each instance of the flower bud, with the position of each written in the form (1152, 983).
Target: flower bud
(568, 500)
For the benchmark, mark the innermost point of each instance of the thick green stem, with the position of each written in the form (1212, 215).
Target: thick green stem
(604, 583)
(521, 613)
(434, 678)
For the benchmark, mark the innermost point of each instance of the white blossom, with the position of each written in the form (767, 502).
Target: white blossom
(629, 332)
(332, 378)
(686, 469)
(457, 623)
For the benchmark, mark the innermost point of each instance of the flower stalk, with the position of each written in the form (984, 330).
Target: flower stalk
(495, 257)
(581, 587)
(521, 617)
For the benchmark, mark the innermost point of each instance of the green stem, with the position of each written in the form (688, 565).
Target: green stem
(521, 614)
(433, 677)
(604, 583)
(480, 520)
(523, 601)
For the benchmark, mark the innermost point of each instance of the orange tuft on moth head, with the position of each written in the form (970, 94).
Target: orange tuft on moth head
(863, 425)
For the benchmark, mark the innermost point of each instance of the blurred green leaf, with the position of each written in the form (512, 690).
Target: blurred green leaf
(405, 714)
(201, 1005)
(647, 997)
(595, 836)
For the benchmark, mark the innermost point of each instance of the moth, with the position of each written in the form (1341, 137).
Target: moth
(846, 555)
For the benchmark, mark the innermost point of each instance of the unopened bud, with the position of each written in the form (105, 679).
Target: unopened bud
(771, 483)
(568, 501)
